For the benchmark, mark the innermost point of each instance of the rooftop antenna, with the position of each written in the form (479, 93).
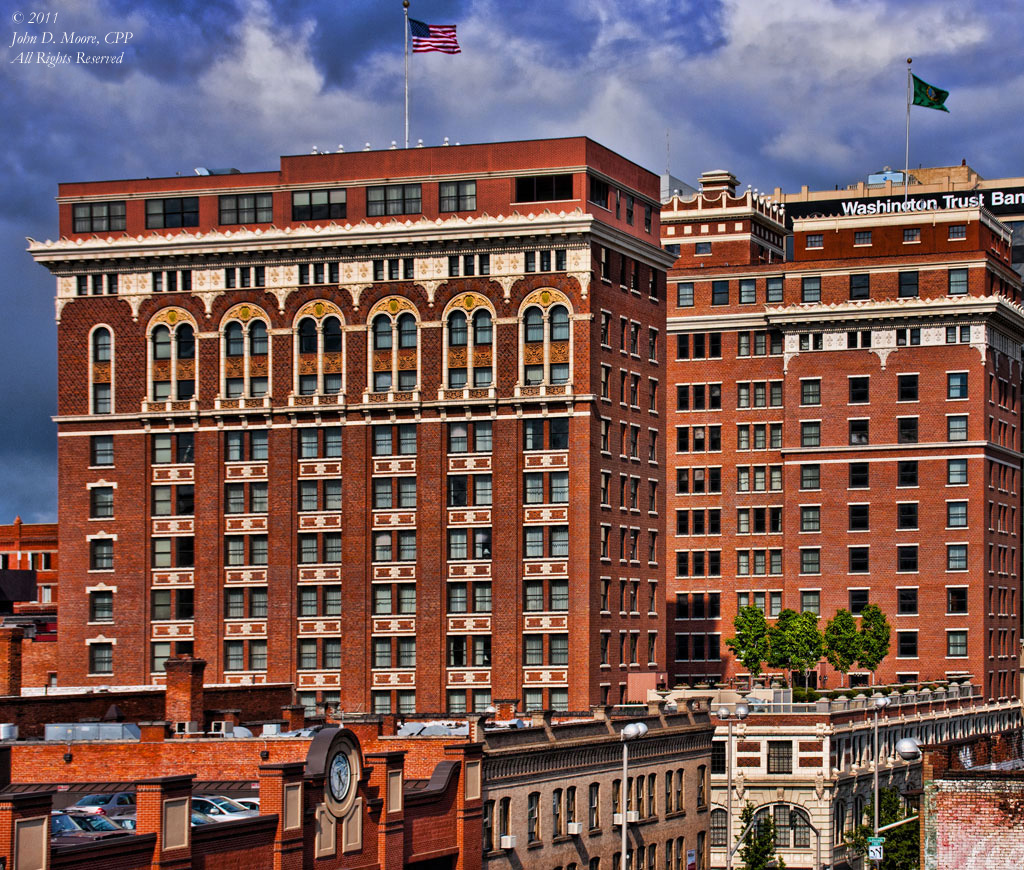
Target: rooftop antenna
(419, 143)
(366, 147)
(445, 141)
(341, 149)
(394, 145)
(315, 150)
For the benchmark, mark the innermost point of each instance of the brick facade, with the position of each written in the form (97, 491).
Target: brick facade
(844, 428)
(216, 528)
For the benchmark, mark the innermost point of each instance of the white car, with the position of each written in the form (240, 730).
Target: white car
(221, 809)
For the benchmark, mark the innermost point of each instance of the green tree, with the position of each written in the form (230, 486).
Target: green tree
(794, 642)
(750, 645)
(874, 638)
(901, 844)
(842, 643)
(758, 849)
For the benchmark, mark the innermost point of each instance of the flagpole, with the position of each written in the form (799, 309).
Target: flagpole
(906, 156)
(405, 7)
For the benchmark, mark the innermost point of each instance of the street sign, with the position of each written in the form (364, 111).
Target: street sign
(876, 851)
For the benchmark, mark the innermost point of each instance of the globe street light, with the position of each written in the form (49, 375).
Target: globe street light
(632, 731)
(880, 703)
(908, 749)
(740, 712)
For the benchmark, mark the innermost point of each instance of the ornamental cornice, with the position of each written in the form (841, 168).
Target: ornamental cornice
(799, 315)
(245, 239)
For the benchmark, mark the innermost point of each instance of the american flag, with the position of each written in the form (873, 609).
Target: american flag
(433, 37)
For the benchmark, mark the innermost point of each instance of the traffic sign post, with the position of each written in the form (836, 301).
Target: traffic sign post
(876, 849)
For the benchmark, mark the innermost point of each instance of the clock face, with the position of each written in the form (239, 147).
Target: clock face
(340, 776)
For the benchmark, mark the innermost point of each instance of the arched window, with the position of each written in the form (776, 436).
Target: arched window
(332, 335)
(534, 322)
(482, 328)
(186, 338)
(406, 331)
(319, 344)
(458, 335)
(101, 371)
(839, 822)
(101, 345)
(258, 338)
(559, 323)
(382, 332)
(394, 362)
(719, 829)
(234, 342)
(307, 335)
(247, 349)
(161, 343)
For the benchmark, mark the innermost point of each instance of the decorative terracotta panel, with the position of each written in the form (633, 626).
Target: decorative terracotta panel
(406, 465)
(320, 469)
(546, 460)
(234, 367)
(174, 473)
(173, 527)
(162, 370)
(545, 677)
(468, 570)
(173, 578)
(394, 625)
(482, 357)
(457, 357)
(186, 369)
(245, 524)
(467, 462)
(475, 677)
(533, 354)
(545, 622)
(245, 470)
(332, 362)
(546, 569)
(394, 519)
(176, 630)
(245, 629)
(546, 515)
(307, 364)
(382, 360)
(101, 373)
(320, 626)
(245, 575)
(319, 680)
(319, 574)
(559, 352)
(469, 624)
(407, 360)
(319, 521)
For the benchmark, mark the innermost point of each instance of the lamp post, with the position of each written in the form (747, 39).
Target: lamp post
(880, 704)
(740, 712)
(631, 732)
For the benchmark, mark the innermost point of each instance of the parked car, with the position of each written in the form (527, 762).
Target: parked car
(249, 803)
(221, 809)
(128, 820)
(106, 804)
(78, 827)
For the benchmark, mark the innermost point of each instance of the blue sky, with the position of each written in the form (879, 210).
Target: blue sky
(781, 92)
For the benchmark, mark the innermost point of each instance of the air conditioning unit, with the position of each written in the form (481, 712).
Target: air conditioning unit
(507, 842)
(632, 816)
(574, 828)
(617, 819)
(222, 727)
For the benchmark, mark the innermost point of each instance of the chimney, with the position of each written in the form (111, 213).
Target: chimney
(505, 709)
(717, 180)
(183, 700)
(294, 716)
(10, 660)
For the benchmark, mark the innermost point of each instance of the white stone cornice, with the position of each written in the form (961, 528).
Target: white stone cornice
(392, 231)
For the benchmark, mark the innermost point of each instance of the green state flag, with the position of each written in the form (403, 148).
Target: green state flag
(928, 96)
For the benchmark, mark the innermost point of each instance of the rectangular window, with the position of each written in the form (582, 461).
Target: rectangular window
(859, 560)
(956, 472)
(457, 196)
(810, 477)
(249, 208)
(169, 213)
(810, 434)
(906, 644)
(811, 290)
(774, 290)
(906, 601)
(810, 561)
(956, 599)
(907, 284)
(956, 643)
(392, 199)
(860, 286)
(544, 188)
(719, 292)
(957, 428)
(906, 388)
(858, 431)
(780, 756)
(815, 240)
(956, 557)
(906, 515)
(912, 234)
(957, 282)
(956, 514)
(810, 601)
(906, 430)
(748, 293)
(810, 392)
(906, 472)
(98, 217)
(684, 294)
(906, 558)
(956, 385)
(862, 237)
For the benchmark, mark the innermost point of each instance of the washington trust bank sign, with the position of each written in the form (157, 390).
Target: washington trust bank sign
(1008, 201)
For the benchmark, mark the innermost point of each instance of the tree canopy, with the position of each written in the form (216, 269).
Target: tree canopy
(842, 642)
(795, 642)
(750, 645)
(874, 638)
(758, 849)
(901, 844)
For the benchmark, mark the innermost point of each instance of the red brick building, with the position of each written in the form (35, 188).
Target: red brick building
(32, 547)
(322, 424)
(846, 429)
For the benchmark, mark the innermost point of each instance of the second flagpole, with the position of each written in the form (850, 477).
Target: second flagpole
(405, 7)
(906, 154)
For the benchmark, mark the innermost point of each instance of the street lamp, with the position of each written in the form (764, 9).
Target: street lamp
(908, 749)
(740, 711)
(880, 704)
(631, 732)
